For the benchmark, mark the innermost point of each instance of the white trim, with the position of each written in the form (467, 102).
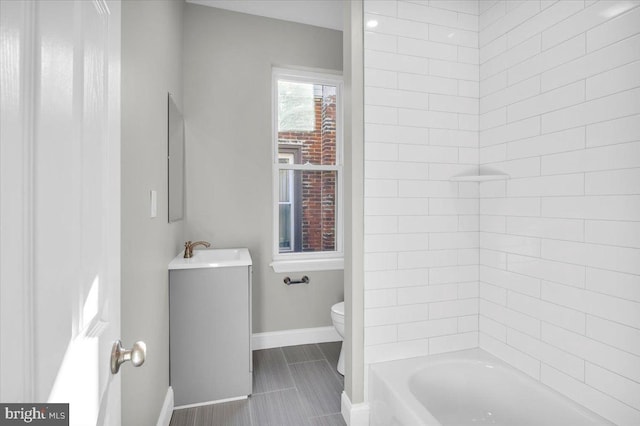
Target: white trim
(291, 196)
(354, 414)
(301, 74)
(309, 256)
(308, 265)
(300, 336)
(167, 409)
(217, 401)
(309, 167)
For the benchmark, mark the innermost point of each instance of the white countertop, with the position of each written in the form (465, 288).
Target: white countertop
(212, 258)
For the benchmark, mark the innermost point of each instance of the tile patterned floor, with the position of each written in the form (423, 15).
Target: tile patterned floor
(292, 386)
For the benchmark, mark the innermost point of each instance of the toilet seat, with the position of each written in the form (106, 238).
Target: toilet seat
(338, 308)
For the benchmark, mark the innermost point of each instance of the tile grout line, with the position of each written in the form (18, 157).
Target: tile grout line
(273, 391)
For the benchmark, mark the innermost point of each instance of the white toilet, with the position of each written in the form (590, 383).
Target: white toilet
(337, 316)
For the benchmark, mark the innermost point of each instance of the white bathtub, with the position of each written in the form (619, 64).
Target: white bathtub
(468, 387)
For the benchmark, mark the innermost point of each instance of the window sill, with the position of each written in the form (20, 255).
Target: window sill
(308, 265)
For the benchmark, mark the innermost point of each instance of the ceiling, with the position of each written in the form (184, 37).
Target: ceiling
(321, 13)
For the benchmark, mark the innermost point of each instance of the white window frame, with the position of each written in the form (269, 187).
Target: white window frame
(308, 261)
(292, 206)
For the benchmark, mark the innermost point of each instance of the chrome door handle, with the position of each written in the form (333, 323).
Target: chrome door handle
(120, 355)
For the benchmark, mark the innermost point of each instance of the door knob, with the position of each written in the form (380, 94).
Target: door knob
(120, 355)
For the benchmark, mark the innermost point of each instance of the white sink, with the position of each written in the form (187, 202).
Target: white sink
(212, 258)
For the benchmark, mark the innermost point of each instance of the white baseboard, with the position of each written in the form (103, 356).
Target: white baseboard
(167, 409)
(300, 336)
(354, 414)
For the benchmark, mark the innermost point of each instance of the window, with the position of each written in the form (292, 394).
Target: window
(286, 209)
(307, 171)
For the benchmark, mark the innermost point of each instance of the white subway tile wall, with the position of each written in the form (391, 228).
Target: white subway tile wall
(560, 241)
(542, 270)
(421, 229)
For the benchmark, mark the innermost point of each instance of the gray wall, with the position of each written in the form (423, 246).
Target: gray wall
(227, 88)
(151, 67)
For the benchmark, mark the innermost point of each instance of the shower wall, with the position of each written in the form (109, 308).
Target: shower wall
(421, 128)
(547, 92)
(560, 240)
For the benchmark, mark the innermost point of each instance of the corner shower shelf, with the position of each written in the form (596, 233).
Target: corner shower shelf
(479, 178)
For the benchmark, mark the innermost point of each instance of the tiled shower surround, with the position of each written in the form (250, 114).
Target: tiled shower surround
(542, 269)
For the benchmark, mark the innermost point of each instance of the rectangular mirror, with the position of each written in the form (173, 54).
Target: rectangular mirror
(176, 162)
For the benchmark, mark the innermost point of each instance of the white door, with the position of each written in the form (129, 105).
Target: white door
(60, 205)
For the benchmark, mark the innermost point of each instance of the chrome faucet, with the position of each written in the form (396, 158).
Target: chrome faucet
(188, 247)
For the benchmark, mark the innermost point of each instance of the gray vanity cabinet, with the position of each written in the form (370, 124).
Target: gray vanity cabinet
(210, 333)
